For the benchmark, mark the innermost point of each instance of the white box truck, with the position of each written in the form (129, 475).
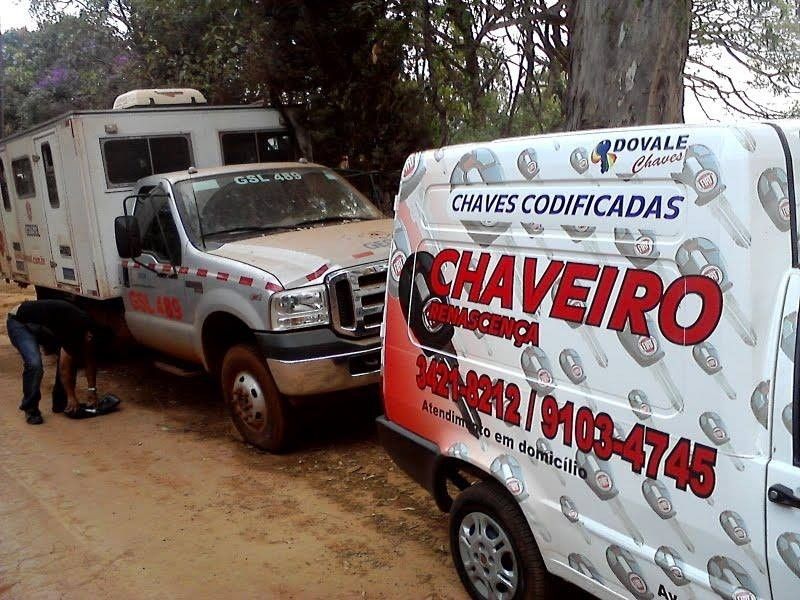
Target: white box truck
(188, 222)
(600, 332)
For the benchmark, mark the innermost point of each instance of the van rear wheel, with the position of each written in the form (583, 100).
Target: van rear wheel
(258, 410)
(493, 548)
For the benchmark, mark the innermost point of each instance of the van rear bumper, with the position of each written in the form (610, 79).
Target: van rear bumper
(418, 457)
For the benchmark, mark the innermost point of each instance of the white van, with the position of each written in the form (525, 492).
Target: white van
(590, 359)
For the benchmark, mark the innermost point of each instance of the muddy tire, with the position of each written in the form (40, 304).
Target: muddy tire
(258, 410)
(493, 548)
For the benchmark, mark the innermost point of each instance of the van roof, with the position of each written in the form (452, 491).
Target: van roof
(128, 111)
(177, 176)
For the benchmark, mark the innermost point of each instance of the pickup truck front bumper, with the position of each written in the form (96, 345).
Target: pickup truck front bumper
(317, 361)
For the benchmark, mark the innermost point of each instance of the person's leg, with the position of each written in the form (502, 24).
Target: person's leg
(26, 344)
(59, 393)
(68, 370)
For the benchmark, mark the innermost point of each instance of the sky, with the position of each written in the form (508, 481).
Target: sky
(14, 14)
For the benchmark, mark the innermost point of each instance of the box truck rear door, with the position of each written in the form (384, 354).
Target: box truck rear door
(32, 223)
(50, 176)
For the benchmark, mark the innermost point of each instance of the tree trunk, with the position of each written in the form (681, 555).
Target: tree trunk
(626, 63)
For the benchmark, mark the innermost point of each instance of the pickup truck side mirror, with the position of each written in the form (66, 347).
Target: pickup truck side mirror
(128, 237)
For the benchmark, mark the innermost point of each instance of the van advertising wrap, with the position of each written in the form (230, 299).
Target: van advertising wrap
(593, 321)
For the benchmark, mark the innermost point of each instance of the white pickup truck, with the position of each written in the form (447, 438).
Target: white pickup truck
(269, 274)
(272, 276)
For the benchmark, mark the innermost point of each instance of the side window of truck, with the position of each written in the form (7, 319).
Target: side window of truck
(254, 146)
(4, 187)
(159, 232)
(23, 177)
(129, 159)
(50, 175)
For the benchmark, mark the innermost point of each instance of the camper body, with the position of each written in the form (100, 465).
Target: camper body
(593, 337)
(64, 182)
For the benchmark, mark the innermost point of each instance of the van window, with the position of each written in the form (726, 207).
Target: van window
(4, 187)
(255, 146)
(159, 233)
(23, 177)
(128, 160)
(50, 174)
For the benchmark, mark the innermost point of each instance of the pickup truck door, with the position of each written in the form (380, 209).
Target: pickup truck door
(155, 299)
(783, 472)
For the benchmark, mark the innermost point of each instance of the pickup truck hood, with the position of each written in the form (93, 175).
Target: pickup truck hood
(304, 256)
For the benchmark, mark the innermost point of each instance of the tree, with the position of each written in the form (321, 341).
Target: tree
(627, 61)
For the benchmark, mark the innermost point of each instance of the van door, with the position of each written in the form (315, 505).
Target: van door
(32, 224)
(9, 225)
(155, 301)
(783, 473)
(50, 180)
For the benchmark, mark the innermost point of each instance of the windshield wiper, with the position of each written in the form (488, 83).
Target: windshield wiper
(249, 229)
(327, 220)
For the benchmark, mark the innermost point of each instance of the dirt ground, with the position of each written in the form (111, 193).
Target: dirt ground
(163, 500)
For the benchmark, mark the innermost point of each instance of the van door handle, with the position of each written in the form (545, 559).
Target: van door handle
(781, 494)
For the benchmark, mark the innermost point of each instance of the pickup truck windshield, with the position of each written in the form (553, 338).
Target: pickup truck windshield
(268, 199)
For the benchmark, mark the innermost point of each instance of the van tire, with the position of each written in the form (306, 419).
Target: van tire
(490, 500)
(258, 410)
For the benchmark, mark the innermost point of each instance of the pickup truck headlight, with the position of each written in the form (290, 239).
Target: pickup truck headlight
(295, 309)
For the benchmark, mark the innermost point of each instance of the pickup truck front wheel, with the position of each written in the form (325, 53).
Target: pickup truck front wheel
(258, 410)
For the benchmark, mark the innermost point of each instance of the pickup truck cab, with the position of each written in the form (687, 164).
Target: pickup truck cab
(271, 276)
(591, 359)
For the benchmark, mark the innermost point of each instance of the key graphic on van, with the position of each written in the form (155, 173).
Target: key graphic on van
(701, 173)
(789, 334)
(537, 369)
(543, 448)
(673, 566)
(582, 234)
(583, 565)
(700, 256)
(707, 358)
(646, 350)
(579, 160)
(714, 428)
(729, 579)
(638, 246)
(508, 471)
(759, 403)
(773, 192)
(401, 250)
(458, 450)
(600, 480)
(415, 297)
(640, 405)
(627, 570)
(657, 496)
(572, 365)
(789, 550)
(736, 529)
(535, 231)
(570, 511)
(587, 332)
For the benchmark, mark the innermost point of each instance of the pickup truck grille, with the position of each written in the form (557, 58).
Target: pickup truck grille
(357, 298)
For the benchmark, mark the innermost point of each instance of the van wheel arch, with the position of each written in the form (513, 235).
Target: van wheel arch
(459, 474)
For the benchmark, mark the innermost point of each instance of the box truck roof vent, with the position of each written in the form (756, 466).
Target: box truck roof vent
(153, 97)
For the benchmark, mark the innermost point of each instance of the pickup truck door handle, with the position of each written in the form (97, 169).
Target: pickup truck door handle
(781, 494)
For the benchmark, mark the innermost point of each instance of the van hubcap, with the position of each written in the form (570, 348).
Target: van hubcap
(249, 402)
(488, 557)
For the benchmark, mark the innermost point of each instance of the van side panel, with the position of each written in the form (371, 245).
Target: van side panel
(586, 317)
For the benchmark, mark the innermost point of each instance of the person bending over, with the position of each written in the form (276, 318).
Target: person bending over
(54, 325)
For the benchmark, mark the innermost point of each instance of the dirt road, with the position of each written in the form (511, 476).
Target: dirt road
(161, 500)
